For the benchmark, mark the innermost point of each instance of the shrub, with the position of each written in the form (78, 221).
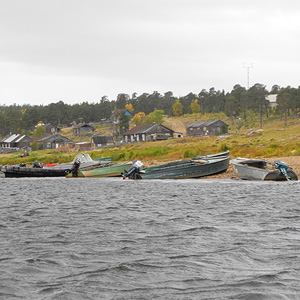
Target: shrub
(189, 153)
(224, 148)
(120, 156)
(273, 146)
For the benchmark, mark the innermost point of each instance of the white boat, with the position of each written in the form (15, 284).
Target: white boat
(260, 169)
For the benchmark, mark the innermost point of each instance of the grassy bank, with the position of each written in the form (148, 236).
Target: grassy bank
(273, 140)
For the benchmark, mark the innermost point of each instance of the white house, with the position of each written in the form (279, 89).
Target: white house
(272, 100)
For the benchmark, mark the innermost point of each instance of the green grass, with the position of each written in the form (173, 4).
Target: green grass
(274, 140)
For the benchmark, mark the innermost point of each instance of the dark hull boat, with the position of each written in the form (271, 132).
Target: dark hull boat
(37, 170)
(17, 171)
(191, 168)
(260, 169)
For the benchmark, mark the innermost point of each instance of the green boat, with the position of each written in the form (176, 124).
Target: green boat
(190, 168)
(105, 169)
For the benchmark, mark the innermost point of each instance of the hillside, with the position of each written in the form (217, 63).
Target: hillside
(272, 140)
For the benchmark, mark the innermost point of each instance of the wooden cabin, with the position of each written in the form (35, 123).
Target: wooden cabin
(147, 133)
(81, 128)
(53, 142)
(206, 128)
(52, 129)
(15, 141)
(102, 141)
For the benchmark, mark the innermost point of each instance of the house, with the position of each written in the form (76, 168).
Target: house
(102, 141)
(206, 128)
(81, 128)
(272, 100)
(15, 141)
(128, 113)
(82, 146)
(52, 129)
(105, 121)
(148, 133)
(53, 142)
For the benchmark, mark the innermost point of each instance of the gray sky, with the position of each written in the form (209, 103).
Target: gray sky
(81, 50)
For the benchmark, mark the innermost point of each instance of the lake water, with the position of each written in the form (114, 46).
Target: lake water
(94, 238)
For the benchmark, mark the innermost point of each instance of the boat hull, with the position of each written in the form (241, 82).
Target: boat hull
(18, 172)
(108, 170)
(190, 169)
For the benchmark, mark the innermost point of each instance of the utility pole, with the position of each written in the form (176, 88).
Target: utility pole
(248, 67)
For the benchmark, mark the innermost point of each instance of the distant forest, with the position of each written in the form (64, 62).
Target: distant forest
(22, 119)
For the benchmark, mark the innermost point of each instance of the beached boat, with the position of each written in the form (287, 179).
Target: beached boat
(16, 171)
(190, 168)
(51, 170)
(105, 169)
(260, 169)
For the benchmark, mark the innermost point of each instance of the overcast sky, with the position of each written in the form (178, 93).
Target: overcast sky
(81, 50)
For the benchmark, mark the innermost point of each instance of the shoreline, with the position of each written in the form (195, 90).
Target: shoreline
(292, 161)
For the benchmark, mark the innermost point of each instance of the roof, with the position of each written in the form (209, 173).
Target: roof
(128, 113)
(51, 126)
(103, 139)
(156, 128)
(20, 138)
(55, 137)
(11, 138)
(80, 125)
(205, 123)
(135, 129)
(148, 129)
(14, 138)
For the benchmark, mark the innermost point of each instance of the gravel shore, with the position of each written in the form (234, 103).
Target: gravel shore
(292, 161)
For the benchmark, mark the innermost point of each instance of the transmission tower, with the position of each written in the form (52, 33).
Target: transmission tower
(248, 67)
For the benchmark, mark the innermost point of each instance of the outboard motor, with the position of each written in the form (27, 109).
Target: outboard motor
(75, 167)
(22, 165)
(37, 164)
(282, 167)
(134, 170)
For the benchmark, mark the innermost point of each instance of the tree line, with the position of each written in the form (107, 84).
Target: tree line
(235, 104)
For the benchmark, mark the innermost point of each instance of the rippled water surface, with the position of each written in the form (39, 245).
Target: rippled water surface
(170, 239)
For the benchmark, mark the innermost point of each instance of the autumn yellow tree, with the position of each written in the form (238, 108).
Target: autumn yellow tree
(139, 118)
(177, 108)
(195, 107)
(129, 107)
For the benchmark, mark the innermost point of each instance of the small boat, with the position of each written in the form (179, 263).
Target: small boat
(105, 169)
(17, 171)
(38, 170)
(190, 168)
(260, 169)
